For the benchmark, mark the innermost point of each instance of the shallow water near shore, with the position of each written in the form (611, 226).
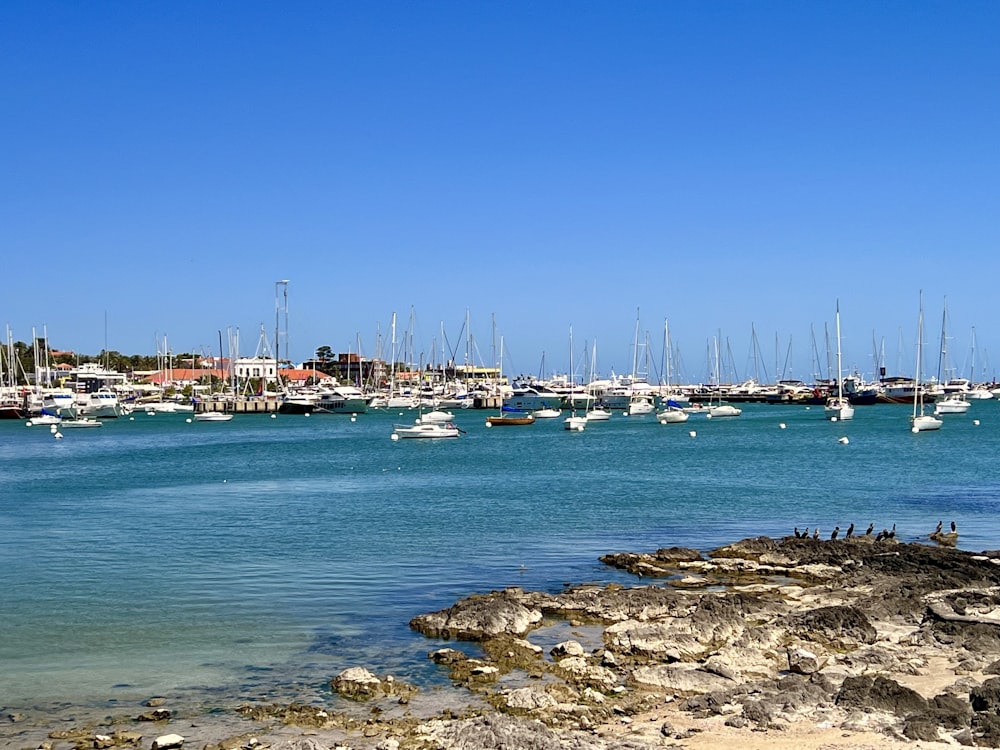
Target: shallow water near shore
(258, 558)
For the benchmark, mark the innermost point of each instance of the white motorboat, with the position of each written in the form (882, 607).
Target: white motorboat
(426, 430)
(952, 403)
(80, 422)
(547, 413)
(43, 419)
(100, 404)
(640, 404)
(436, 417)
(213, 416)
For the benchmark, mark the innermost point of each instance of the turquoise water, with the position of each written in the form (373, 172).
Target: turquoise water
(260, 557)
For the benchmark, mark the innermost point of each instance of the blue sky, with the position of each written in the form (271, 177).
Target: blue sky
(726, 166)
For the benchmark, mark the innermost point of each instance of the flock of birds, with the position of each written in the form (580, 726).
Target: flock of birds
(938, 535)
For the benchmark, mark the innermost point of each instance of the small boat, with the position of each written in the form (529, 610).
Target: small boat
(547, 413)
(81, 422)
(598, 414)
(575, 423)
(921, 422)
(436, 417)
(511, 419)
(44, 419)
(838, 408)
(213, 416)
(673, 414)
(426, 430)
(724, 410)
(952, 403)
(640, 404)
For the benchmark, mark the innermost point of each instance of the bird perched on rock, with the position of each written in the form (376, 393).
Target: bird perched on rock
(883, 534)
(871, 528)
(939, 526)
(816, 533)
(954, 529)
(850, 532)
(892, 532)
(836, 530)
(797, 536)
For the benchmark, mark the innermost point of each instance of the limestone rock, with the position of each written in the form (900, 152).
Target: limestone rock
(479, 617)
(167, 741)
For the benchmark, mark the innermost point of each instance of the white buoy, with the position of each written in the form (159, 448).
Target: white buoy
(693, 433)
(57, 435)
(975, 422)
(781, 426)
(394, 437)
(914, 430)
(53, 428)
(307, 414)
(29, 423)
(150, 413)
(833, 419)
(808, 408)
(708, 416)
(354, 419)
(843, 441)
(131, 419)
(274, 416)
(489, 424)
(188, 420)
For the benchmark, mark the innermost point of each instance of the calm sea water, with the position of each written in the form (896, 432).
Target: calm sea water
(260, 557)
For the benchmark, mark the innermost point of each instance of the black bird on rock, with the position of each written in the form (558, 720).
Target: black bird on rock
(816, 533)
(871, 528)
(892, 533)
(954, 529)
(797, 532)
(883, 534)
(939, 526)
(850, 532)
(836, 530)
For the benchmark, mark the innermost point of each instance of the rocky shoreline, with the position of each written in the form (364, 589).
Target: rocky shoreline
(771, 643)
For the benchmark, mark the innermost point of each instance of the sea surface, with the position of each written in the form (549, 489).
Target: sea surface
(256, 559)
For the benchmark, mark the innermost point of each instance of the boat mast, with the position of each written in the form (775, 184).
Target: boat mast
(840, 376)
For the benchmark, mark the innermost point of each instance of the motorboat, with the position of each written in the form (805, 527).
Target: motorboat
(640, 404)
(100, 404)
(547, 413)
(342, 399)
(951, 403)
(436, 417)
(213, 416)
(80, 422)
(426, 430)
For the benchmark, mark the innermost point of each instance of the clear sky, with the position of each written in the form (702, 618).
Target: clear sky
(726, 166)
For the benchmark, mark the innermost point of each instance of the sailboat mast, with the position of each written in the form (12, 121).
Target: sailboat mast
(840, 375)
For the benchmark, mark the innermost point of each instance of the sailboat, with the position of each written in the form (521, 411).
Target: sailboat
(509, 416)
(719, 409)
(574, 422)
(838, 408)
(673, 413)
(921, 422)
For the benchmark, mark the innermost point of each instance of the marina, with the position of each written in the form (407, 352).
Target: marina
(264, 555)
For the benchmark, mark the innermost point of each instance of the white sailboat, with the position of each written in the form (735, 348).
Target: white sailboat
(719, 409)
(838, 408)
(574, 422)
(673, 412)
(921, 422)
